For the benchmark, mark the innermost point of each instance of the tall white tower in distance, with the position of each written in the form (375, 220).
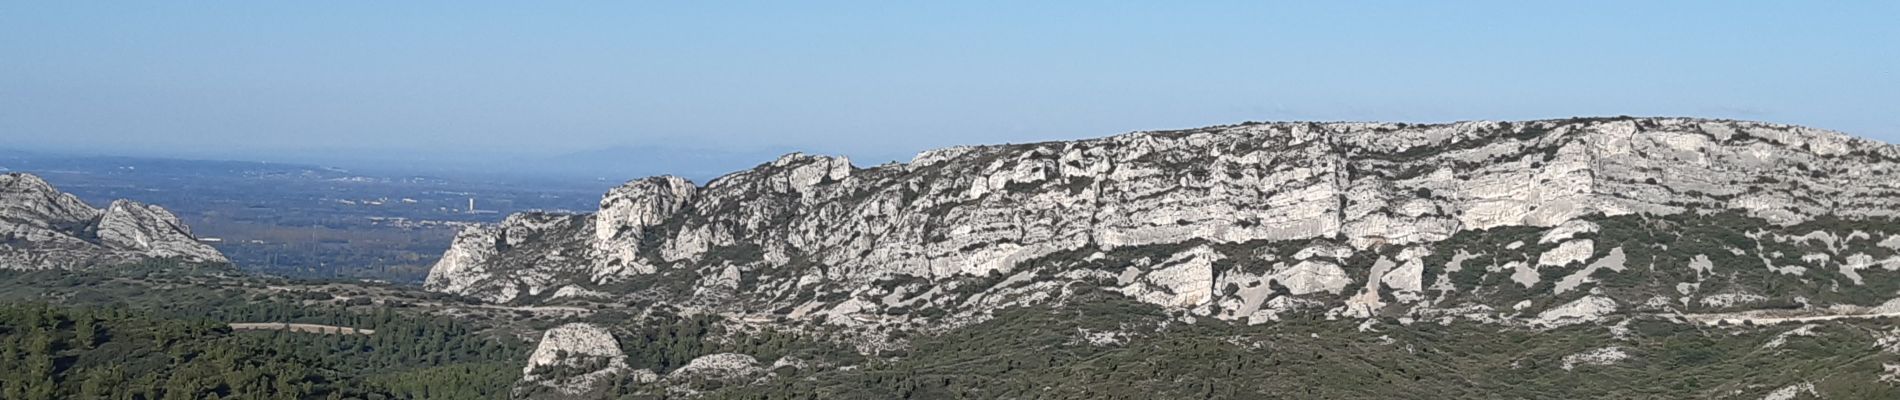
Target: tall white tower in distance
(471, 205)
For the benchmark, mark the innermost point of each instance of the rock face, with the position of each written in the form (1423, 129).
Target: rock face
(43, 228)
(722, 366)
(524, 255)
(573, 359)
(1240, 221)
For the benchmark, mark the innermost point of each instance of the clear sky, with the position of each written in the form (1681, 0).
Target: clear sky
(883, 79)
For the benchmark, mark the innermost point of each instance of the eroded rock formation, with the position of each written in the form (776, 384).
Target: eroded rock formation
(43, 228)
(1244, 221)
(573, 358)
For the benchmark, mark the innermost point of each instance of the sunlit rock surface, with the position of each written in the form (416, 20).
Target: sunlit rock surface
(43, 228)
(574, 359)
(1253, 221)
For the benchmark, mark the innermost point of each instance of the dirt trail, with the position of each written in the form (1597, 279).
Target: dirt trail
(305, 328)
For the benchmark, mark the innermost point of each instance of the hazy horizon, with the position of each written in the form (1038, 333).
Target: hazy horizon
(445, 84)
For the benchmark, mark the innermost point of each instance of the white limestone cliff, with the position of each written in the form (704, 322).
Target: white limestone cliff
(626, 214)
(42, 228)
(1193, 220)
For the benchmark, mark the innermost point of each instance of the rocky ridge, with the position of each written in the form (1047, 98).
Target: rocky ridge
(1539, 224)
(43, 228)
(804, 224)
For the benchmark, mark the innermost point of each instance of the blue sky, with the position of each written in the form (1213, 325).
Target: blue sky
(880, 80)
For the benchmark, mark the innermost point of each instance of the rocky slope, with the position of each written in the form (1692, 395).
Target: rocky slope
(1539, 224)
(1258, 205)
(41, 228)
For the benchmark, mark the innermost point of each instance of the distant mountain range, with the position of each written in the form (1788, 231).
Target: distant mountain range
(618, 163)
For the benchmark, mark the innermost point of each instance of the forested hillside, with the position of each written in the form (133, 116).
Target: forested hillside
(54, 352)
(1113, 348)
(162, 330)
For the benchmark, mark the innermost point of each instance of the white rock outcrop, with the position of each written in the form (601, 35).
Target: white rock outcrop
(1567, 230)
(1599, 357)
(42, 228)
(627, 214)
(1573, 251)
(1197, 220)
(1185, 280)
(1587, 309)
(525, 255)
(575, 358)
(1792, 392)
(1613, 262)
(722, 366)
